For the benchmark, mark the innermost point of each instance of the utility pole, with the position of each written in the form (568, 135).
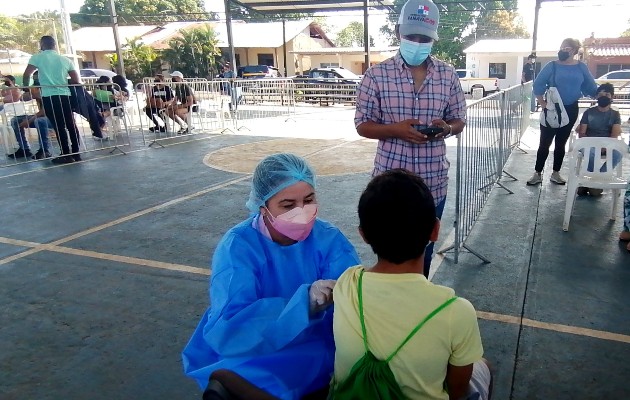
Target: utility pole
(120, 65)
(228, 21)
(366, 35)
(66, 26)
(284, 46)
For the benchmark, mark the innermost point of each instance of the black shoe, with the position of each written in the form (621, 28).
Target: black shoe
(216, 391)
(183, 131)
(63, 159)
(163, 129)
(153, 128)
(20, 153)
(76, 157)
(42, 154)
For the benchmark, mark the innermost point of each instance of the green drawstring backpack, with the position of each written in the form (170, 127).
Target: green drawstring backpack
(370, 378)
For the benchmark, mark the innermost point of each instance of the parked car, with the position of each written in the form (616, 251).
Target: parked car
(327, 85)
(97, 73)
(469, 82)
(621, 74)
(257, 72)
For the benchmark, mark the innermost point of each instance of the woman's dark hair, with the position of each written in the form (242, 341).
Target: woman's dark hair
(397, 215)
(103, 79)
(120, 81)
(574, 43)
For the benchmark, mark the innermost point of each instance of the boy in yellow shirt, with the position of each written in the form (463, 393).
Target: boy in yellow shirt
(442, 360)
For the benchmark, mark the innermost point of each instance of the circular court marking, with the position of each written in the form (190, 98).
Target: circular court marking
(327, 157)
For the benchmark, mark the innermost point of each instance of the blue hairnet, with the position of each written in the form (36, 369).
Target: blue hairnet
(275, 173)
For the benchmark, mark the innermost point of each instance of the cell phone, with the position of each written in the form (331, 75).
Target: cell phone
(431, 131)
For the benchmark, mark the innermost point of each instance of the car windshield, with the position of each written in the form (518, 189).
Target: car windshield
(344, 73)
(255, 69)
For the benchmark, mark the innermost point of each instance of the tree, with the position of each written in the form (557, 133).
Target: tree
(23, 32)
(454, 23)
(96, 12)
(246, 14)
(138, 59)
(193, 52)
(499, 24)
(352, 36)
(626, 33)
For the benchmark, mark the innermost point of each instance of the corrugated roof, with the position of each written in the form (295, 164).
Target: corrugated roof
(280, 6)
(101, 38)
(345, 50)
(268, 34)
(511, 46)
(611, 50)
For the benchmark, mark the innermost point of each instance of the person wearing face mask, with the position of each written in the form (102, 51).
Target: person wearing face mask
(600, 121)
(268, 332)
(573, 80)
(410, 91)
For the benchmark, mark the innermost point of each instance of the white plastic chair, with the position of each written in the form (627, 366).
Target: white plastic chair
(579, 160)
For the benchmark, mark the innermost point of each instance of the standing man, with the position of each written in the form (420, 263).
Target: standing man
(528, 75)
(407, 92)
(528, 69)
(54, 70)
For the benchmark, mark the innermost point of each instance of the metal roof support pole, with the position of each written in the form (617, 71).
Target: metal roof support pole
(284, 46)
(535, 33)
(366, 35)
(228, 23)
(120, 65)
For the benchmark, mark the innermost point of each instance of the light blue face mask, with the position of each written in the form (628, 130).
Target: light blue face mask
(414, 53)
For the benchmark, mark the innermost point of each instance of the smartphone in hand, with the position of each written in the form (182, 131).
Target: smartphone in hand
(431, 131)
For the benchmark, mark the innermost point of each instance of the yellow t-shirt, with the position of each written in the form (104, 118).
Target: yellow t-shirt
(393, 304)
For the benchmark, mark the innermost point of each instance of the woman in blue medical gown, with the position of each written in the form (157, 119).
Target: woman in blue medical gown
(270, 320)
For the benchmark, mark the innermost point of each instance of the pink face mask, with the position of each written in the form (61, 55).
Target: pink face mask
(297, 223)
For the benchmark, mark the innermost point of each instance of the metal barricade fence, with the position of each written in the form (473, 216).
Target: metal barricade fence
(100, 125)
(494, 128)
(262, 98)
(163, 114)
(325, 91)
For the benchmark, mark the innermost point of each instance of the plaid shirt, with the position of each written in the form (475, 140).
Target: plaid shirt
(386, 95)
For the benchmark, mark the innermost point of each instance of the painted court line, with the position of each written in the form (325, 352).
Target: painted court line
(488, 316)
(573, 330)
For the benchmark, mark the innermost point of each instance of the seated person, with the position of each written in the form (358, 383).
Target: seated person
(161, 97)
(83, 103)
(600, 121)
(39, 121)
(625, 234)
(9, 93)
(185, 102)
(442, 360)
(123, 88)
(104, 95)
(268, 332)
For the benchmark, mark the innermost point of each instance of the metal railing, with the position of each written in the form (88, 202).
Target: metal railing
(96, 129)
(494, 128)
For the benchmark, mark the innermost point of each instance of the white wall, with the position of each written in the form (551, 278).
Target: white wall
(479, 63)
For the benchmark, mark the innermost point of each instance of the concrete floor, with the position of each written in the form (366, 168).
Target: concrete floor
(104, 267)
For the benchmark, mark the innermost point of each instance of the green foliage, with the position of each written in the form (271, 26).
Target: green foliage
(458, 29)
(23, 32)
(138, 59)
(131, 12)
(241, 13)
(626, 33)
(352, 35)
(193, 52)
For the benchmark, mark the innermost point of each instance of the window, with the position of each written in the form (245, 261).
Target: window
(87, 64)
(329, 65)
(265, 59)
(606, 68)
(496, 70)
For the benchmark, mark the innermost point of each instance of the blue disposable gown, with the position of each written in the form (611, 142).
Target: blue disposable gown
(258, 325)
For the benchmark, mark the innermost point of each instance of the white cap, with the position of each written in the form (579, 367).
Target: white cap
(177, 74)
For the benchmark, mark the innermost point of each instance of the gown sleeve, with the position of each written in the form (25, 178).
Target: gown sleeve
(246, 323)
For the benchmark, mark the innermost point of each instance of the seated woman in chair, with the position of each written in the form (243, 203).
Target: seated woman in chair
(268, 332)
(600, 121)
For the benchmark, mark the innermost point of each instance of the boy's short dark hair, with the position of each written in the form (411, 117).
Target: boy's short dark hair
(397, 215)
(606, 87)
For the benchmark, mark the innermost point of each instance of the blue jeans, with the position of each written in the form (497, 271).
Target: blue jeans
(626, 210)
(616, 157)
(428, 253)
(42, 124)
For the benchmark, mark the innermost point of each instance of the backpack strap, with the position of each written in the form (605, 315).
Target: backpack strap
(413, 332)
